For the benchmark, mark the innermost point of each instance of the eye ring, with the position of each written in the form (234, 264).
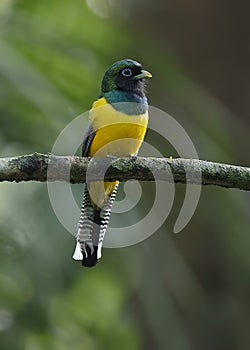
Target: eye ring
(126, 72)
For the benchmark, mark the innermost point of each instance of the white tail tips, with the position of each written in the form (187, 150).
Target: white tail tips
(78, 252)
(99, 252)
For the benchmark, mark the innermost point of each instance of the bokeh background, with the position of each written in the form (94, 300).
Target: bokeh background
(186, 292)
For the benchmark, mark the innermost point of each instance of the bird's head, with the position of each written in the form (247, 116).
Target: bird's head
(125, 75)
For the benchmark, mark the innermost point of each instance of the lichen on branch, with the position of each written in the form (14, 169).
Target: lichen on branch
(48, 167)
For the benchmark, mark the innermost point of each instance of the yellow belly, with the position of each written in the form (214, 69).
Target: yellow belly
(116, 134)
(119, 140)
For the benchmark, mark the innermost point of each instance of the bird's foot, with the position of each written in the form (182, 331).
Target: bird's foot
(132, 157)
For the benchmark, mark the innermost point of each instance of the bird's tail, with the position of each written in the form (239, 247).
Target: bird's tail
(91, 229)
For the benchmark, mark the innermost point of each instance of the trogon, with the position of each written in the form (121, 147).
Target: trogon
(117, 125)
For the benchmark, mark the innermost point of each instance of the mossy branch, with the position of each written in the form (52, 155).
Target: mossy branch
(42, 167)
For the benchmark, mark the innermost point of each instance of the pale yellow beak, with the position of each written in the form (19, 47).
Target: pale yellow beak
(144, 74)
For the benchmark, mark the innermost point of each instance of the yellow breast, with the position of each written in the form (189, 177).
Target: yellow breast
(117, 133)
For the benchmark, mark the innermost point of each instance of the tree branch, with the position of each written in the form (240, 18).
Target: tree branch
(42, 167)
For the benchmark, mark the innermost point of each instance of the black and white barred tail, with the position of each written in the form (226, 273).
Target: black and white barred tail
(92, 226)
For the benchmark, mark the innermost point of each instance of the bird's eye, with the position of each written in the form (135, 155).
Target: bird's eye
(127, 72)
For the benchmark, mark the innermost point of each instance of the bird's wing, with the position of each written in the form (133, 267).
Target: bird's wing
(93, 223)
(87, 140)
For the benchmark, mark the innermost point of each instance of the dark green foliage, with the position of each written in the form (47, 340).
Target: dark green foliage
(178, 292)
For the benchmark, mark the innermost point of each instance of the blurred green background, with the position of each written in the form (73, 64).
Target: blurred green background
(187, 291)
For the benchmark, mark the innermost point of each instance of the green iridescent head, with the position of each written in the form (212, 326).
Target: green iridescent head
(125, 75)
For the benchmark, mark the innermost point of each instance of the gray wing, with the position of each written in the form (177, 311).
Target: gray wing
(87, 140)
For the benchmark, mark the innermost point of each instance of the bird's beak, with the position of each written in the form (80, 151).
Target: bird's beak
(144, 74)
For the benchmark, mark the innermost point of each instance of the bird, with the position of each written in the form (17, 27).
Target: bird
(117, 125)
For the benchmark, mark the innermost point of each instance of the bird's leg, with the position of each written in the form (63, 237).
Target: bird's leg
(132, 156)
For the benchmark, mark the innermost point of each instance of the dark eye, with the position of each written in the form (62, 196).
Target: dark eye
(127, 72)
